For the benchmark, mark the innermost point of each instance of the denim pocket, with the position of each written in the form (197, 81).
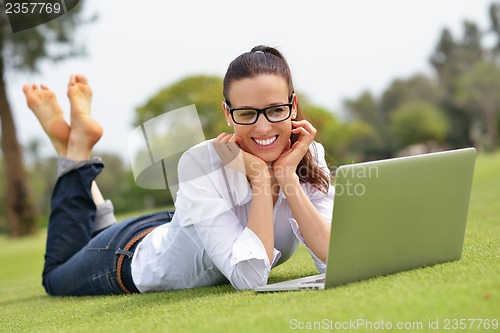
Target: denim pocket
(104, 240)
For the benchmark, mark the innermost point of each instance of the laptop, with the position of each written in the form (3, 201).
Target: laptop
(394, 215)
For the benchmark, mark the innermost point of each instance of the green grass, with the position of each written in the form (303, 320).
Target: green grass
(468, 289)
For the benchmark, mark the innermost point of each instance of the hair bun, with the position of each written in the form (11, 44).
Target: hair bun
(267, 49)
(260, 48)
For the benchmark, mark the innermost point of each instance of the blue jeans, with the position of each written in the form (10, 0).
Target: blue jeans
(76, 261)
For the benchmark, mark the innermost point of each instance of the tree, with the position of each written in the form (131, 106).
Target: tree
(172, 136)
(418, 121)
(478, 92)
(494, 14)
(375, 127)
(338, 138)
(400, 91)
(24, 51)
(372, 137)
(41, 174)
(451, 59)
(202, 90)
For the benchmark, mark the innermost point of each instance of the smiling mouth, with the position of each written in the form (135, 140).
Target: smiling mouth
(266, 142)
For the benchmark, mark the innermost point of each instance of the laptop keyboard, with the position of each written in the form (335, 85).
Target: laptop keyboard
(320, 280)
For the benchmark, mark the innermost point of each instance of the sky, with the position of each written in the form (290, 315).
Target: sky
(336, 50)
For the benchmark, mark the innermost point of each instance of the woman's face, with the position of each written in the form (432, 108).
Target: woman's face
(263, 139)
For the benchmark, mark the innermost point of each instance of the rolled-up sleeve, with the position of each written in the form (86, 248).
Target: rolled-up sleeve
(250, 261)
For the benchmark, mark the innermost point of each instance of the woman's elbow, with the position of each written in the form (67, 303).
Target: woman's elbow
(249, 280)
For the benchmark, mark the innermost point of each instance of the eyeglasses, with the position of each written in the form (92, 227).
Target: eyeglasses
(249, 116)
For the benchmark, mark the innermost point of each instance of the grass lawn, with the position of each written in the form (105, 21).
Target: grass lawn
(420, 300)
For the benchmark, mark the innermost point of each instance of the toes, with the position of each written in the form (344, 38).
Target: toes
(28, 88)
(77, 78)
(72, 80)
(81, 79)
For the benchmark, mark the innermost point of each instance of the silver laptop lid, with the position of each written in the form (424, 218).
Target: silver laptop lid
(398, 214)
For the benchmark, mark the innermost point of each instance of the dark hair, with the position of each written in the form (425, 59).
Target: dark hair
(268, 60)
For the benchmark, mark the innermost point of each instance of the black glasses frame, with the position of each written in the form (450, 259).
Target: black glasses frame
(262, 111)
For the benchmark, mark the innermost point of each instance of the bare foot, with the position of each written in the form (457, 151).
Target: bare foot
(42, 101)
(85, 132)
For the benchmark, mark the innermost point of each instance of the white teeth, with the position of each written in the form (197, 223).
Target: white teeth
(266, 142)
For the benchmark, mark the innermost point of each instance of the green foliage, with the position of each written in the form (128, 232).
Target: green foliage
(203, 91)
(459, 107)
(117, 183)
(130, 196)
(3, 220)
(23, 51)
(337, 136)
(478, 93)
(325, 123)
(416, 87)
(42, 175)
(418, 121)
(368, 126)
(365, 107)
(494, 15)
(53, 40)
(479, 85)
(451, 59)
(377, 116)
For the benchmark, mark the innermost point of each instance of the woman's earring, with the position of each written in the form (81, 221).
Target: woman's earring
(229, 124)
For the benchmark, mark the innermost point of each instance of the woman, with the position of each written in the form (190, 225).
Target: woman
(245, 200)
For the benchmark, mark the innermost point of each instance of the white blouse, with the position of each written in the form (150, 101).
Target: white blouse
(207, 241)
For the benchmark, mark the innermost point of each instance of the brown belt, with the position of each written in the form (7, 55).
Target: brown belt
(121, 257)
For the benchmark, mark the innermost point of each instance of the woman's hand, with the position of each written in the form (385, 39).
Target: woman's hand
(284, 168)
(232, 156)
(314, 229)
